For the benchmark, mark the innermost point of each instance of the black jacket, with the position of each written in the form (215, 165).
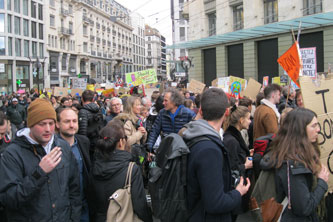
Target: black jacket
(85, 114)
(305, 197)
(108, 175)
(237, 149)
(29, 194)
(16, 114)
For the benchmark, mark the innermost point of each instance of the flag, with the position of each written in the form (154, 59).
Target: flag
(291, 62)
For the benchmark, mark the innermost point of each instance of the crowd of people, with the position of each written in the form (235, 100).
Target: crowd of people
(63, 157)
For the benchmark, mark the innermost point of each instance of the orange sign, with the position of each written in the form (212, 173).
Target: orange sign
(291, 63)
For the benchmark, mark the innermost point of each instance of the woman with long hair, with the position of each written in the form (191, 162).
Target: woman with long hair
(108, 174)
(134, 130)
(300, 176)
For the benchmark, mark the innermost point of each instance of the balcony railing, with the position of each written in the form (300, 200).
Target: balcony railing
(65, 31)
(93, 53)
(64, 12)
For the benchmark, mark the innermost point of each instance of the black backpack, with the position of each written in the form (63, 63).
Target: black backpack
(260, 146)
(95, 123)
(167, 180)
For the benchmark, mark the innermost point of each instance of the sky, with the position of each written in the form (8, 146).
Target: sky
(155, 12)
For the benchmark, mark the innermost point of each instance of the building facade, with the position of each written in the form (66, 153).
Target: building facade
(139, 46)
(88, 38)
(153, 50)
(22, 45)
(244, 38)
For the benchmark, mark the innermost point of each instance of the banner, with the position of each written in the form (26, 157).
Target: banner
(252, 89)
(142, 77)
(196, 86)
(309, 60)
(291, 63)
(236, 85)
(317, 97)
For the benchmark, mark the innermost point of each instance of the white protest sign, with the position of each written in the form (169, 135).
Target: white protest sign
(309, 60)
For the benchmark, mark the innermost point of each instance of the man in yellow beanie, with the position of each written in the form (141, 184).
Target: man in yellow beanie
(39, 179)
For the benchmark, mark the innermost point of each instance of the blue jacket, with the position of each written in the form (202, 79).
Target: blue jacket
(165, 124)
(211, 197)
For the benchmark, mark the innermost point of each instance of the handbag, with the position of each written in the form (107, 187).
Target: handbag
(120, 205)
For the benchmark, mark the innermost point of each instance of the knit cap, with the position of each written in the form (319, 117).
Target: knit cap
(38, 110)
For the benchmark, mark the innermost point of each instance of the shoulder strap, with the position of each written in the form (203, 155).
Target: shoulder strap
(192, 142)
(129, 175)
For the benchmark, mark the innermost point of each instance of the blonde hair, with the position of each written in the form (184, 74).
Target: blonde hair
(234, 116)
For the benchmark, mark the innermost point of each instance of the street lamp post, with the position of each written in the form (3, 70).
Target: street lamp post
(37, 65)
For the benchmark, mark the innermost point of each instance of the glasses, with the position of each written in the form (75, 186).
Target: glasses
(118, 104)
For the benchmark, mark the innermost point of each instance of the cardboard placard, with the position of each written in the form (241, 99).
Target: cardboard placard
(76, 92)
(79, 83)
(317, 97)
(236, 86)
(141, 77)
(252, 89)
(196, 86)
(60, 91)
(215, 82)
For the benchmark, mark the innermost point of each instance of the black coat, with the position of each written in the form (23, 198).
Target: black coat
(16, 114)
(305, 197)
(108, 175)
(237, 149)
(210, 195)
(85, 114)
(29, 194)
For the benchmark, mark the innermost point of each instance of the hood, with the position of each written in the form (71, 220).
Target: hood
(199, 128)
(125, 116)
(92, 107)
(106, 167)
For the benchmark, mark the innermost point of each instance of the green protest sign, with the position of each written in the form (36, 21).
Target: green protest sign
(141, 77)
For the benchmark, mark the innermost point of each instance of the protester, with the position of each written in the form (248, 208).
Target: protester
(134, 130)
(300, 175)
(247, 134)
(209, 190)
(39, 172)
(7, 132)
(109, 171)
(188, 103)
(16, 114)
(287, 92)
(115, 108)
(266, 117)
(172, 118)
(67, 124)
(299, 99)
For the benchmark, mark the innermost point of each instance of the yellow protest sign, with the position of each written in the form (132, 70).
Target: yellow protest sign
(141, 77)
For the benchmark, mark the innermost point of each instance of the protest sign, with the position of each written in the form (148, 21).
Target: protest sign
(141, 77)
(196, 86)
(309, 60)
(236, 85)
(291, 63)
(276, 80)
(317, 97)
(91, 87)
(76, 92)
(108, 92)
(79, 83)
(223, 83)
(265, 81)
(60, 91)
(252, 89)
(215, 82)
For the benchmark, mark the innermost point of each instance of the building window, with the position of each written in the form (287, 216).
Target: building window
(25, 7)
(10, 46)
(182, 53)
(2, 22)
(312, 7)
(182, 34)
(2, 46)
(26, 48)
(212, 24)
(70, 9)
(85, 30)
(2, 4)
(52, 21)
(33, 30)
(52, 3)
(9, 5)
(34, 49)
(41, 50)
(17, 6)
(25, 27)
(238, 17)
(85, 47)
(9, 23)
(41, 31)
(70, 27)
(17, 24)
(33, 10)
(149, 46)
(17, 47)
(271, 11)
(40, 12)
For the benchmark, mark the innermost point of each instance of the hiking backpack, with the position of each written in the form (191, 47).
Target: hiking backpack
(167, 181)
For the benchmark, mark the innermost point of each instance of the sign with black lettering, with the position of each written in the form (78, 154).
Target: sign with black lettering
(309, 60)
(317, 96)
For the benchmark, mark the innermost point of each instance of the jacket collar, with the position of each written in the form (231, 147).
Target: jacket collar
(238, 136)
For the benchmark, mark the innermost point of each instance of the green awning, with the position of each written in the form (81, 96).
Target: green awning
(308, 22)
